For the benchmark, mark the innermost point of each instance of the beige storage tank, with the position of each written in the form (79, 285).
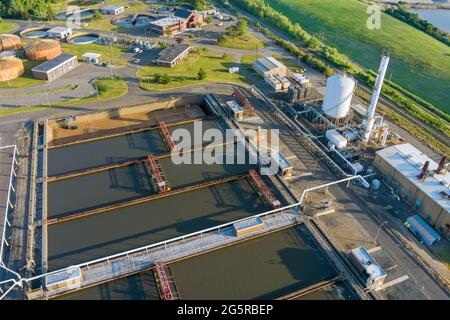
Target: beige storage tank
(10, 42)
(10, 68)
(43, 50)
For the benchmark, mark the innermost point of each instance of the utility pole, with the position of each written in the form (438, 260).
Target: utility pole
(379, 228)
(96, 90)
(47, 94)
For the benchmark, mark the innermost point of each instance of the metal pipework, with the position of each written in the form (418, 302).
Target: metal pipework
(370, 117)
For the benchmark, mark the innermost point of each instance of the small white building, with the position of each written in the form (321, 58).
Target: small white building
(112, 10)
(92, 58)
(69, 278)
(236, 109)
(59, 33)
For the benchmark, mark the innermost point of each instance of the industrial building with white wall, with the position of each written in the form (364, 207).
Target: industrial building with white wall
(421, 182)
(112, 10)
(269, 66)
(59, 32)
(55, 68)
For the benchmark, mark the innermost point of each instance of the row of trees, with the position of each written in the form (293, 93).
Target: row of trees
(264, 11)
(414, 20)
(199, 4)
(25, 9)
(165, 78)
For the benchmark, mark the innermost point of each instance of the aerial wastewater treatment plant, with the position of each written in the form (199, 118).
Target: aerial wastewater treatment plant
(114, 217)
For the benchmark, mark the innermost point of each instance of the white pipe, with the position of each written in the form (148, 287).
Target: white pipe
(126, 253)
(7, 281)
(352, 167)
(2, 265)
(369, 120)
(365, 183)
(10, 146)
(7, 291)
(385, 136)
(121, 254)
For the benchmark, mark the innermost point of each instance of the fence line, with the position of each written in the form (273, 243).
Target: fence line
(8, 205)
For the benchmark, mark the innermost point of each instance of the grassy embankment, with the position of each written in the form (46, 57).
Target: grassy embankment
(419, 63)
(108, 88)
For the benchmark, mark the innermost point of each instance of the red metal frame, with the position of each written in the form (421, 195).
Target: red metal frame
(262, 187)
(157, 174)
(242, 99)
(167, 136)
(164, 281)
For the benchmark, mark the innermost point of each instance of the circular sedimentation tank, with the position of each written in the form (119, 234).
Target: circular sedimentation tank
(338, 95)
(10, 42)
(10, 68)
(43, 50)
(37, 32)
(132, 20)
(83, 38)
(83, 14)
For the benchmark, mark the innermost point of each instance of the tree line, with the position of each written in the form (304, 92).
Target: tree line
(27, 9)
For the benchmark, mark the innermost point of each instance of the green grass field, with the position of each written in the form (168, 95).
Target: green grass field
(185, 73)
(107, 89)
(419, 63)
(109, 53)
(6, 27)
(245, 42)
(101, 25)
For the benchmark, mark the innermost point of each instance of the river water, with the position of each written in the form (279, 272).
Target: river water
(440, 18)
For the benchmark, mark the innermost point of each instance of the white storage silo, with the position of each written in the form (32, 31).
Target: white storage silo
(338, 95)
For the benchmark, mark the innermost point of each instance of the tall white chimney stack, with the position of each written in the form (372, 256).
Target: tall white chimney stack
(370, 117)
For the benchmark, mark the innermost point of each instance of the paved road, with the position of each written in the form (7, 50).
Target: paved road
(30, 96)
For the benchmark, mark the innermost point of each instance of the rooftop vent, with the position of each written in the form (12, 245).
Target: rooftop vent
(423, 174)
(442, 168)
